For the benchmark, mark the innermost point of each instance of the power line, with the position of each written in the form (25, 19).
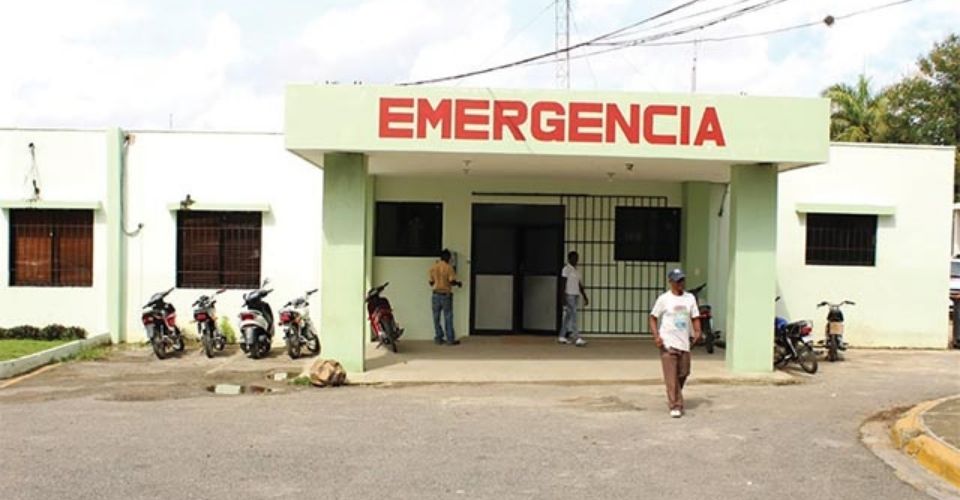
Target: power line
(756, 34)
(553, 52)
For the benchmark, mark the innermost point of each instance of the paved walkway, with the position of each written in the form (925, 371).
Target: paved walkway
(539, 359)
(943, 420)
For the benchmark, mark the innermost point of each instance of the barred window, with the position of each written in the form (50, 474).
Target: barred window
(408, 229)
(841, 240)
(647, 234)
(51, 247)
(218, 249)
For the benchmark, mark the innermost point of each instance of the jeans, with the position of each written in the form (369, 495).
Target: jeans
(569, 324)
(443, 302)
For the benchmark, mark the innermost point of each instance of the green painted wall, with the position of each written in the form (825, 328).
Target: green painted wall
(756, 129)
(752, 269)
(408, 290)
(697, 218)
(116, 240)
(345, 264)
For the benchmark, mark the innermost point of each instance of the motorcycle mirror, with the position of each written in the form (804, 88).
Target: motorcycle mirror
(221, 291)
(850, 302)
(778, 299)
(266, 281)
(311, 292)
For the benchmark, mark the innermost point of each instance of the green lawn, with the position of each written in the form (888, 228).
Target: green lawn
(14, 348)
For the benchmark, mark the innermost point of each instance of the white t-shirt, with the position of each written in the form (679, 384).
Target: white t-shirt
(675, 314)
(572, 275)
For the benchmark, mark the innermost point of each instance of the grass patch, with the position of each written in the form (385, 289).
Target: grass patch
(15, 348)
(300, 381)
(96, 353)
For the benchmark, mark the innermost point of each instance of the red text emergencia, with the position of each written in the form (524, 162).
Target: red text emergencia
(549, 121)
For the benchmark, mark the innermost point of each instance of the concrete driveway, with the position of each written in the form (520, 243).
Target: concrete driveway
(133, 427)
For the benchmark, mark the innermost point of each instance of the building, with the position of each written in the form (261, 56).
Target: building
(735, 189)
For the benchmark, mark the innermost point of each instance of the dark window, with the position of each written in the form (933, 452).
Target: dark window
(218, 249)
(647, 234)
(841, 240)
(409, 229)
(51, 247)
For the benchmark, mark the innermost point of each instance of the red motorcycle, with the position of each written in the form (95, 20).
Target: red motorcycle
(383, 325)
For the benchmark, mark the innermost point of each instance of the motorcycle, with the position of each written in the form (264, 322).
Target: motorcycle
(794, 342)
(297, 328)
(205, 314)
(382, 323)
(710, 336)
(160, 322)
(256, 323)
(833, 339)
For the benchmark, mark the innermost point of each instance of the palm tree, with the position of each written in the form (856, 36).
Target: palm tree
(856, 113)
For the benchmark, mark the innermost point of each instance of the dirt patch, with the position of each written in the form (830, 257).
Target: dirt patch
(602, 404)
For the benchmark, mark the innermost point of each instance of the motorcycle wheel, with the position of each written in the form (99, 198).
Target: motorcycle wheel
(313, 343)
(159, 346)
(389, 334)
(206, 341)
(293, 343)
(832, 348)
(264, 348)
(178, 344)
(808, 359)
(709, 339)
(220, 343)
(244, 348)
(779, 357)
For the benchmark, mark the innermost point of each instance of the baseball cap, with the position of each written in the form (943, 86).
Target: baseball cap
(676, 275)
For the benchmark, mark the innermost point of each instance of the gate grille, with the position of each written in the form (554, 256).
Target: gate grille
(621, 292)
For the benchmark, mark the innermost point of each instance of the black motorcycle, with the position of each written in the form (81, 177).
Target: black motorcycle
(160, 323)
(833, 339)
(710, 336)
(794, 342)
(205, 314)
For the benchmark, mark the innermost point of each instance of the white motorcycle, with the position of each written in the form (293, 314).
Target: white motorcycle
(298, 330)
(256, 323)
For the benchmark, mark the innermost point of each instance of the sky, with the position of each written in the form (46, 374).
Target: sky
(223, 64)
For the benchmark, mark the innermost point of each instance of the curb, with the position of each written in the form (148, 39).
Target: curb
(911, 435)
(24, 364)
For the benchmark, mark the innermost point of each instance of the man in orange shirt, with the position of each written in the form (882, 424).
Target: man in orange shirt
(442, 279)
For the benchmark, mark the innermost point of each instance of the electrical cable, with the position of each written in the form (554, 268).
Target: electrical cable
(551, 53)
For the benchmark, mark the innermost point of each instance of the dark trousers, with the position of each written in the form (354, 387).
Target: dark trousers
(676, 369)
(443, 303)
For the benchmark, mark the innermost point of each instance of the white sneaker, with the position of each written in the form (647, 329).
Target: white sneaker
(562, 340)
(580, 342)
(675, 413)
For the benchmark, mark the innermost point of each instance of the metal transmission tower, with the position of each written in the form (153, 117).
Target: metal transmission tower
(562, 41)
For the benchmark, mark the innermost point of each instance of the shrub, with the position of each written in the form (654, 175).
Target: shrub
(227, 330)
(49, 332)
(53, 332)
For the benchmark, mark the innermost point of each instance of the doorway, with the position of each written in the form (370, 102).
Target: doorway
(516, 260)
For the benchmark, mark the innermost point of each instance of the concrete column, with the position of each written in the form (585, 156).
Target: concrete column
(346, 227)
(116, 298)
(697, 217)
(752, 278)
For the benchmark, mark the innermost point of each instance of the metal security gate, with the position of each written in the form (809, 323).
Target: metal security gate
(621, 292)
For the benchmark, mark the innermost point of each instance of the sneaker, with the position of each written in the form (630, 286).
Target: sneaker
(453, 342)
(675, 413)
(580, 343)
(438, 341)
(562, 340)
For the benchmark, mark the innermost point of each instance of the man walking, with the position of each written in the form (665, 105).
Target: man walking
(673, 320)
(571, 288)
(442, 279)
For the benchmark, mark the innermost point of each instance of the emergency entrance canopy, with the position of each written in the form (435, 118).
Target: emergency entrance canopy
(724, 130)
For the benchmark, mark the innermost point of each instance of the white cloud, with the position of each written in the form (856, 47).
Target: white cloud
(67, 69)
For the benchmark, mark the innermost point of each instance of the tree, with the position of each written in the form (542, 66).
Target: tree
(925, 108)
(856, 113)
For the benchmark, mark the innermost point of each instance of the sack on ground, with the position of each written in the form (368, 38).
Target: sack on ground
(327, 373)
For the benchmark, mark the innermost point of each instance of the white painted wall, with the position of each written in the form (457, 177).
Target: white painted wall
(72, 167)
(902, 301)
(224, 168)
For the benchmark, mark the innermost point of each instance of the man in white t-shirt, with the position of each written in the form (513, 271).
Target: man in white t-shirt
(673, 320)
(571, 288)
